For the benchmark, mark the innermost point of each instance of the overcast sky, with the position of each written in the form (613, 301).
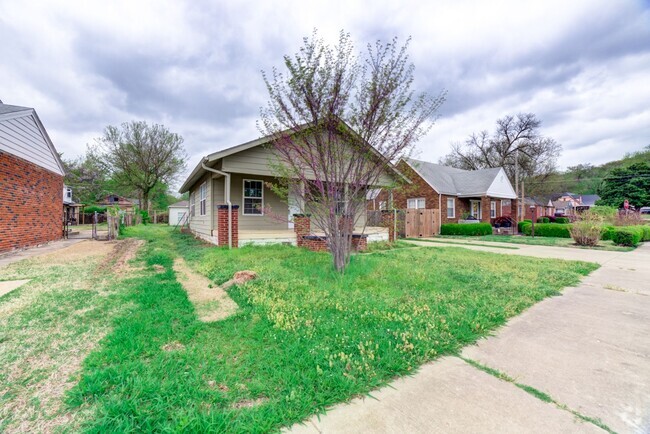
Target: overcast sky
(582, 66)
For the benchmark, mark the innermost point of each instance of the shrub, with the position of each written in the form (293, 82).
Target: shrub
(628, 219)
(521, 224)
(606, 212)
(646, 232)
(627, 236)
(587, 231)
(553, 219)
(94, 208)
(562, 220)
(548, 230)
(543, 220)
(473, 229)
(606, 232)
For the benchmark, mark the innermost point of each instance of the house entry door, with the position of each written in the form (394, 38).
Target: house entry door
(475, 209)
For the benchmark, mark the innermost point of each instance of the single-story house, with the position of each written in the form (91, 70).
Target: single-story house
(178, 212)
(31, 181)
(543, 207)
(115, 200)
(232, 202)
(569, 203)
(456, 194)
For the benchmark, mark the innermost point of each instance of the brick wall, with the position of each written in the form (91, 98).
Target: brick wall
(31, 204)
(418, 188)
(222, 225)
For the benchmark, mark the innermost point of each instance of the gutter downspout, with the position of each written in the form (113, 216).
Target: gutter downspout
(227, 197)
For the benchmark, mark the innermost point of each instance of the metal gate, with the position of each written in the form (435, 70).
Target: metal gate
(421, 222)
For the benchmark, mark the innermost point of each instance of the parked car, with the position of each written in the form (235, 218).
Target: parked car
(644, 210)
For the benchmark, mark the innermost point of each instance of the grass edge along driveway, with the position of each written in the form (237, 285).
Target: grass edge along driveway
(305, 338)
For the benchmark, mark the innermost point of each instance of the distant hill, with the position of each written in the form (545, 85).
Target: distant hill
(584, 178)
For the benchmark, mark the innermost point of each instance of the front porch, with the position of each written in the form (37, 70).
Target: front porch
(288, 236)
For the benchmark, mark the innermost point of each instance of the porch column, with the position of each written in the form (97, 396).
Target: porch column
(485, 209)
(514, 209)
(388, 220)
(302, 227)
(222, 225)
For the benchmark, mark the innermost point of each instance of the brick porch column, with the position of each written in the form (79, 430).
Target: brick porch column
(388, 221)
(302, 227)
(485, 210)
(222, 225)
(513, 209)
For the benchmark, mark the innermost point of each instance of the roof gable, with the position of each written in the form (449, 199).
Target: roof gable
(463, 183)
(22, 134)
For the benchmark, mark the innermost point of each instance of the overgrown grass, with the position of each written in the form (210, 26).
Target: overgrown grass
(305, 337)
(445, 240)
(542, 241)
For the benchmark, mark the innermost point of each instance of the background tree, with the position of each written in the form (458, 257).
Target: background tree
(141, 156)
(516, 139)
(631, 183)
(88, 176)
(337, 120)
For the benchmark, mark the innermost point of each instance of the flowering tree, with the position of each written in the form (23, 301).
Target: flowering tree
(337, 120)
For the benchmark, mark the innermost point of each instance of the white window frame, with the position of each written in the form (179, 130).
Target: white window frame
(382, 205)
(193, 204)
(203, 197)
(452, 208)
(493, 209)
(244, 197)
(417, 203)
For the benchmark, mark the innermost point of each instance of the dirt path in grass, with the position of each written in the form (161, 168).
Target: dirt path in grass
(50, 324)
(211, 302)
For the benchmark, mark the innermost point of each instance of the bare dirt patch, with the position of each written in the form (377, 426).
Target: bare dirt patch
(84, 250)
(211, 302)
(118, 261)
(173, 346)
(249, 403)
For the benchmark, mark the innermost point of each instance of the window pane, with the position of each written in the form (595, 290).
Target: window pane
(421, 203)
(252, 206)
(253, 189)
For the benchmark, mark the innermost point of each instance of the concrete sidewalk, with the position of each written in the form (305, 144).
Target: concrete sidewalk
(589, 349)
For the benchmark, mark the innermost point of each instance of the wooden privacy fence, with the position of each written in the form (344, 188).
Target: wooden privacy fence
(421, 222)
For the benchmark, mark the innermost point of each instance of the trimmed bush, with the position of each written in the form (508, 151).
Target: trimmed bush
(607, 232)
(472, 229)
(646, 232)
(521, 224)
(628, 236)
(94, 208)
(562, 220)
(543, 220)
(549, 230)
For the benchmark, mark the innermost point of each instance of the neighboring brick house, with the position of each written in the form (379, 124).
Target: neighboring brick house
(542, 208)
(114, 200)
(477, 194)
(31, 181)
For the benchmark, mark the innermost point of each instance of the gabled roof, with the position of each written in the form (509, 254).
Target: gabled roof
(199, 171)
(464, 183)
(120, 200)
(181, 204)
(589, 199)
(36, 145)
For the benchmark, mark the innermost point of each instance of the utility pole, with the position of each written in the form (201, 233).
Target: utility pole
(517, 181)
(523, 202)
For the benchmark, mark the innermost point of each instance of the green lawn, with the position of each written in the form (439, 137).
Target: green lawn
(84, 349)
(305, 338)
(538, 241)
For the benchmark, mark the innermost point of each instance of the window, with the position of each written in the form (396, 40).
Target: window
(203, 191)
(415, 203)
(451, 208)
(382, 204)
(253, 197)
(493, 209)
(475, 209)
(192, 203)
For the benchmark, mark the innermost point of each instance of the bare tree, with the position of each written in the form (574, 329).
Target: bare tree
(515, 142)
(337, 120)
(141, 156)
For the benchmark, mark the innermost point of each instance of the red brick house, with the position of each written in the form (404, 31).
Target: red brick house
(459, 194)
(31, 181)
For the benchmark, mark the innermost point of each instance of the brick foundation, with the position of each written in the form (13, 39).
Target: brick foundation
(316, 243)
(302, 227)
(31, 204)
(222, 225)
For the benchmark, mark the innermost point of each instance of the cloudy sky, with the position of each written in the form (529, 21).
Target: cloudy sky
(582, 66)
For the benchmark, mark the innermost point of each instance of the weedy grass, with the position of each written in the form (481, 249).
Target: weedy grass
(304, 338)
(541, 241)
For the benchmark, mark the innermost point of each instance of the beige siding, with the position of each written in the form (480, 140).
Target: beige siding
(254, 161)
(21, 136)
(278, 207)
(201, 223)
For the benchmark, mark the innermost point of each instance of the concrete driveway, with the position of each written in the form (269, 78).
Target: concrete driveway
(588, 350)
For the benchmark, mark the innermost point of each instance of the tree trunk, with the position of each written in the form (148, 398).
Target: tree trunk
(144, 206)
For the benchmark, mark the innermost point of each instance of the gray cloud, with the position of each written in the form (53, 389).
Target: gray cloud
(195, 67)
